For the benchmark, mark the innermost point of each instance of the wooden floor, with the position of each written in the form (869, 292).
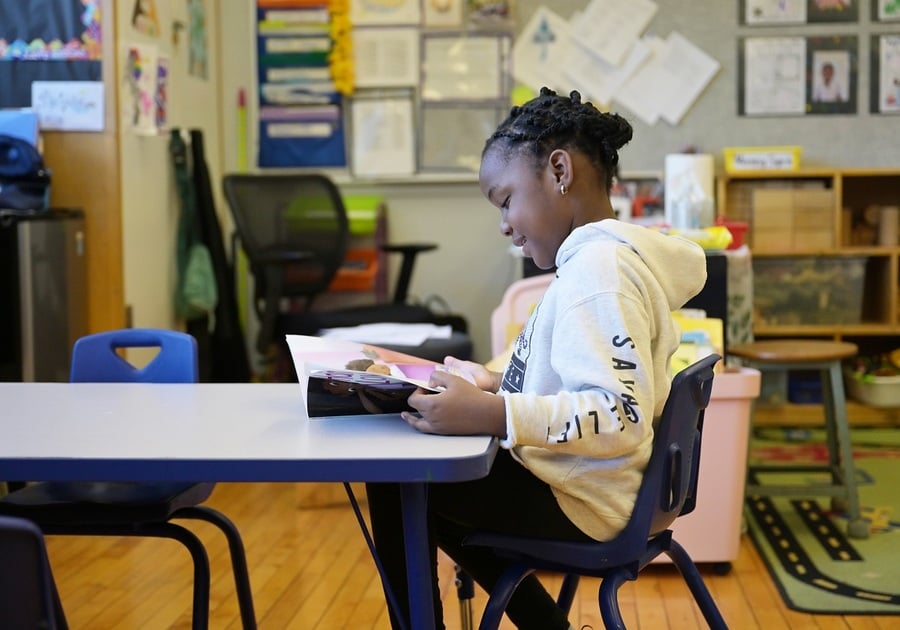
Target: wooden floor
(311, 570)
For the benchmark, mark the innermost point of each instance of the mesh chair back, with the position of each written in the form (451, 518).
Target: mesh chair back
(298, 220)
(26, 582)
(95, 358)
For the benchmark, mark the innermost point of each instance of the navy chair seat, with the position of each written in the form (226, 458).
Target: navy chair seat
(104, 502)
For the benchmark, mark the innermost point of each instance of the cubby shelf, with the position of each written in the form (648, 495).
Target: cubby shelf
(850, 216)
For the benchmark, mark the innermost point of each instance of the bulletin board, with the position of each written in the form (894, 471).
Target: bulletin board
(429, 81)
(449, 129)
(862, 138)
(47, 40)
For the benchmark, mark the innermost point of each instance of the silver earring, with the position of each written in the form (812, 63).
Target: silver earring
(563, 190)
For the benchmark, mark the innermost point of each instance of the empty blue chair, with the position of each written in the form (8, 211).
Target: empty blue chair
(137, 509)
(96, 358)
(668, 490)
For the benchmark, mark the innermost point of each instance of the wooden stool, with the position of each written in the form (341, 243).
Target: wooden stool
(824, 357)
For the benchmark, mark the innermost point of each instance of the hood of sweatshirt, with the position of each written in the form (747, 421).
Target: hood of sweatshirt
(678, 263)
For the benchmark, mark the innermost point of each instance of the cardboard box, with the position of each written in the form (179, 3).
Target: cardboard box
(772, 241)
(792, 220)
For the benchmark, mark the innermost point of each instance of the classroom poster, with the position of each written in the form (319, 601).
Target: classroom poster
(47, 40)
(139, 97)
(68, 105)
(197, 51)
(300, 107)
(144, 18)
(886, 74)
(394, 12)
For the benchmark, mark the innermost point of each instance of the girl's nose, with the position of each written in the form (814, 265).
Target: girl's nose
(505, 230)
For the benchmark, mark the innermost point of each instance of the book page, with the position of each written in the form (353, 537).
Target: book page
(340, 377)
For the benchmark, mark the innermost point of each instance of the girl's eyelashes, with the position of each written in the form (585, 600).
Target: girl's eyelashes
(505, 204)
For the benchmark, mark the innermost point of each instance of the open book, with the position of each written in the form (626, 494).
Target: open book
(340, 378)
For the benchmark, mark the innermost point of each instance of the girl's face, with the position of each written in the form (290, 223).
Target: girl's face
(530, 203)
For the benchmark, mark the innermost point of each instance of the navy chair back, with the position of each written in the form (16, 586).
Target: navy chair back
(96, 358)
(27, 591)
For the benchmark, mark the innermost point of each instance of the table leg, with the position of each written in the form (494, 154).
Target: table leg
(418, 562)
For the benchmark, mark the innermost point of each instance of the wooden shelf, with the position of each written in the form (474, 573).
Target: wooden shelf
(848, 214)
(802, 285)
(810, 416)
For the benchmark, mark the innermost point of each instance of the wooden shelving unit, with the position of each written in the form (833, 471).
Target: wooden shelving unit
(842, 224)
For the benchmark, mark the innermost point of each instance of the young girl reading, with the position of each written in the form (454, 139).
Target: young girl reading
(575, 407)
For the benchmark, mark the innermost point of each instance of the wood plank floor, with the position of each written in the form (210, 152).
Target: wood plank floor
(311, 570)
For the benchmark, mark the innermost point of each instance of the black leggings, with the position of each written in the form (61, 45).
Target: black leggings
(509, 500)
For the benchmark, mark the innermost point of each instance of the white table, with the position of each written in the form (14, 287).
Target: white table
(229, 432)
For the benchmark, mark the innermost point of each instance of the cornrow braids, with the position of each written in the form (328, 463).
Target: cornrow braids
(550, 121)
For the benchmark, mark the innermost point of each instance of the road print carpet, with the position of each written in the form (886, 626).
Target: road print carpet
(803, 542)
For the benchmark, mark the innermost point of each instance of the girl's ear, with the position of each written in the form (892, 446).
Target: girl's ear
(560, 165)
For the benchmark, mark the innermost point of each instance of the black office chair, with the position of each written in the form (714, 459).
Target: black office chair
(137, 509)
(28, 596)
(667, 491)
(294, 230)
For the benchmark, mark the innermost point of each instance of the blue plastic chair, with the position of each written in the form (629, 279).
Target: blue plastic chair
(96, 358)
(28, 597)
(137, 509)
(667, 491)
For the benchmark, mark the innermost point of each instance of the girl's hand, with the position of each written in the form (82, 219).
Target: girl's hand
(460, 409)
(474, 373)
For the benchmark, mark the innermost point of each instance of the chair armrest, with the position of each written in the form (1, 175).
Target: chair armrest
(409, 252)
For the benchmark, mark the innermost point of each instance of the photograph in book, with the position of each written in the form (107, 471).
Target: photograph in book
(340, 378)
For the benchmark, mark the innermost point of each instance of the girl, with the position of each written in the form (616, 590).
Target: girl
(574, 408)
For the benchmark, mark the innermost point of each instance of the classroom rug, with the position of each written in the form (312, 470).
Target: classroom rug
(816, 567)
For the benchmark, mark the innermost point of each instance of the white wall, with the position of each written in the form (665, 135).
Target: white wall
(150, 204)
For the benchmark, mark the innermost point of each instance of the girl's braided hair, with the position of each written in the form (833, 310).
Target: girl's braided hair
(549, 122)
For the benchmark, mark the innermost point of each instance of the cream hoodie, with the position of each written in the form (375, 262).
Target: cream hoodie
(590, 371)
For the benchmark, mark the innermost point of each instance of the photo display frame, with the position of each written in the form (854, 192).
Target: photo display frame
(886, 10)
(382, 128)
(453, 135)
(885, 67)
(793, 12)
(796, 76)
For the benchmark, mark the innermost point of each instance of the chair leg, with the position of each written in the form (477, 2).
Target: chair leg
(187, 538)
(59, 614)
(501, 594)
(857, 526)
(608, 597)
(567, 591)
(200, 614)
(238, 557)
(695, 583)
(465, 591)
